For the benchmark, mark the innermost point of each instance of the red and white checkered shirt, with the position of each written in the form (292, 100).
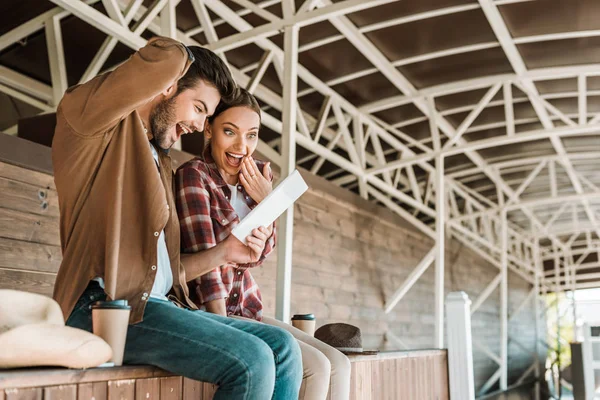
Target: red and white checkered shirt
(206, 218)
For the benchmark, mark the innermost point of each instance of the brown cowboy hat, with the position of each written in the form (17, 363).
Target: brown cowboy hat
(33, 333)
(343, 337)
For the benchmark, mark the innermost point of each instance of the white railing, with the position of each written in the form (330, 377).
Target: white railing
(460, 354)
(590, 365)
(460, 346)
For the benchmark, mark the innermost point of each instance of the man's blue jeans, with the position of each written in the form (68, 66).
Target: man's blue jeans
(247, 360)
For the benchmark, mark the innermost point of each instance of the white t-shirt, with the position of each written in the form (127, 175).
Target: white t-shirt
(164, 278)
(237, 201)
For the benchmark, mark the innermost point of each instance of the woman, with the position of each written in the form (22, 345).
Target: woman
(214, 192)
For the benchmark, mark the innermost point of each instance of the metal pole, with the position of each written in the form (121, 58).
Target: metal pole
(536, 310)
(575, 329)
(56, 57)
(558, 347)
(504, 303)
(440, 221)
(285, 230)
(573, 288)
(587, 348)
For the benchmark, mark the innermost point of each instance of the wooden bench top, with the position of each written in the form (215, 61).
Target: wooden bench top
(388, 355)
(24, 377)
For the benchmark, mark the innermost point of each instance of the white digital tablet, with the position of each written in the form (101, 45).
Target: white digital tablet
(268, 210)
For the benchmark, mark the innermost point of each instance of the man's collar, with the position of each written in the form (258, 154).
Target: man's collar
(157, 147)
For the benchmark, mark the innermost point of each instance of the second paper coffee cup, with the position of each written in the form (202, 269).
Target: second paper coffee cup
(305, 322)
(110, 320)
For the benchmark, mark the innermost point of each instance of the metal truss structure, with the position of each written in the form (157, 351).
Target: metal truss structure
(520, 210)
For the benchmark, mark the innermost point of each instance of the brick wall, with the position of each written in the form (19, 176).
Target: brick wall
(347, 261)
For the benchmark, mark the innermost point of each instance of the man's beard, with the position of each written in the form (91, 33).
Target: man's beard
(162, 118)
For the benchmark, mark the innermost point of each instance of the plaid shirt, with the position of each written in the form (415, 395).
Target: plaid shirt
(206, 218)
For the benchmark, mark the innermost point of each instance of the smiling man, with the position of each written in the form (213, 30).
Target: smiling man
(120, 232)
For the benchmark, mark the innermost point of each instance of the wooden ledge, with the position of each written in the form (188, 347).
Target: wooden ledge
(27, 377)
(390, 355)
(24, 377)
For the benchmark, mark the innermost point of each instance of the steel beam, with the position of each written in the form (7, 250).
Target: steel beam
(410, 280)
(288, 165)
(504, 303)
(440, 250)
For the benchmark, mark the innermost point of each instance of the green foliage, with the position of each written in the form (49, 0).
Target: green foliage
(560, 328)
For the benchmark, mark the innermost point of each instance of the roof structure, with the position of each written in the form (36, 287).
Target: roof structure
(506, 91)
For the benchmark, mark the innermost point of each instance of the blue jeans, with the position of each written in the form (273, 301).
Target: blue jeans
(247, 360)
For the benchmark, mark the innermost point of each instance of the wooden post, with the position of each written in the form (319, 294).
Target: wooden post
(460, 346)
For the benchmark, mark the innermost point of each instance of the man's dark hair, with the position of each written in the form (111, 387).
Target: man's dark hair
(209, 68)
(241, 98)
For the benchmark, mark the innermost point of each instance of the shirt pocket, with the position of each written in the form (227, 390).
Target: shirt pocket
(222, 216)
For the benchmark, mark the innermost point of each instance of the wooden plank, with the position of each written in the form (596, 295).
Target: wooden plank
(409, 373)
(353, 379)
(121, 390)
(92, 391)
(62, 376)
(387, 382)
(367, 374)
(19, 153)
(41, 283)
(426, 374)
(192, 389)
(391, 383)
(436, 390)
(377, 375)
(171, 388)
(402, 379)
(443, 382)
(29, 198)
(416, 367)
(24, 394)
(62, 392)
(396, 355)
(416, 375)
(360, 382)
(22, 255)
(147, 389)
(29, 227)
(421, 382)
(208, 391)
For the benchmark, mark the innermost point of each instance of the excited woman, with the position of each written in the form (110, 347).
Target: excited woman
(214, 192)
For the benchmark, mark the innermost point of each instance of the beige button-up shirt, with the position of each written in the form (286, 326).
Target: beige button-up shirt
(113, 202)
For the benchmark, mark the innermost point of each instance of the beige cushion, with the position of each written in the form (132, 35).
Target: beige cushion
(33, 333)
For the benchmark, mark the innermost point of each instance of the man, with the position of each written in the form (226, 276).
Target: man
(120, 232)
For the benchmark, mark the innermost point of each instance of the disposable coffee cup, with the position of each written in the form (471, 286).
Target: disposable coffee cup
(110, 320)
(305, 322)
